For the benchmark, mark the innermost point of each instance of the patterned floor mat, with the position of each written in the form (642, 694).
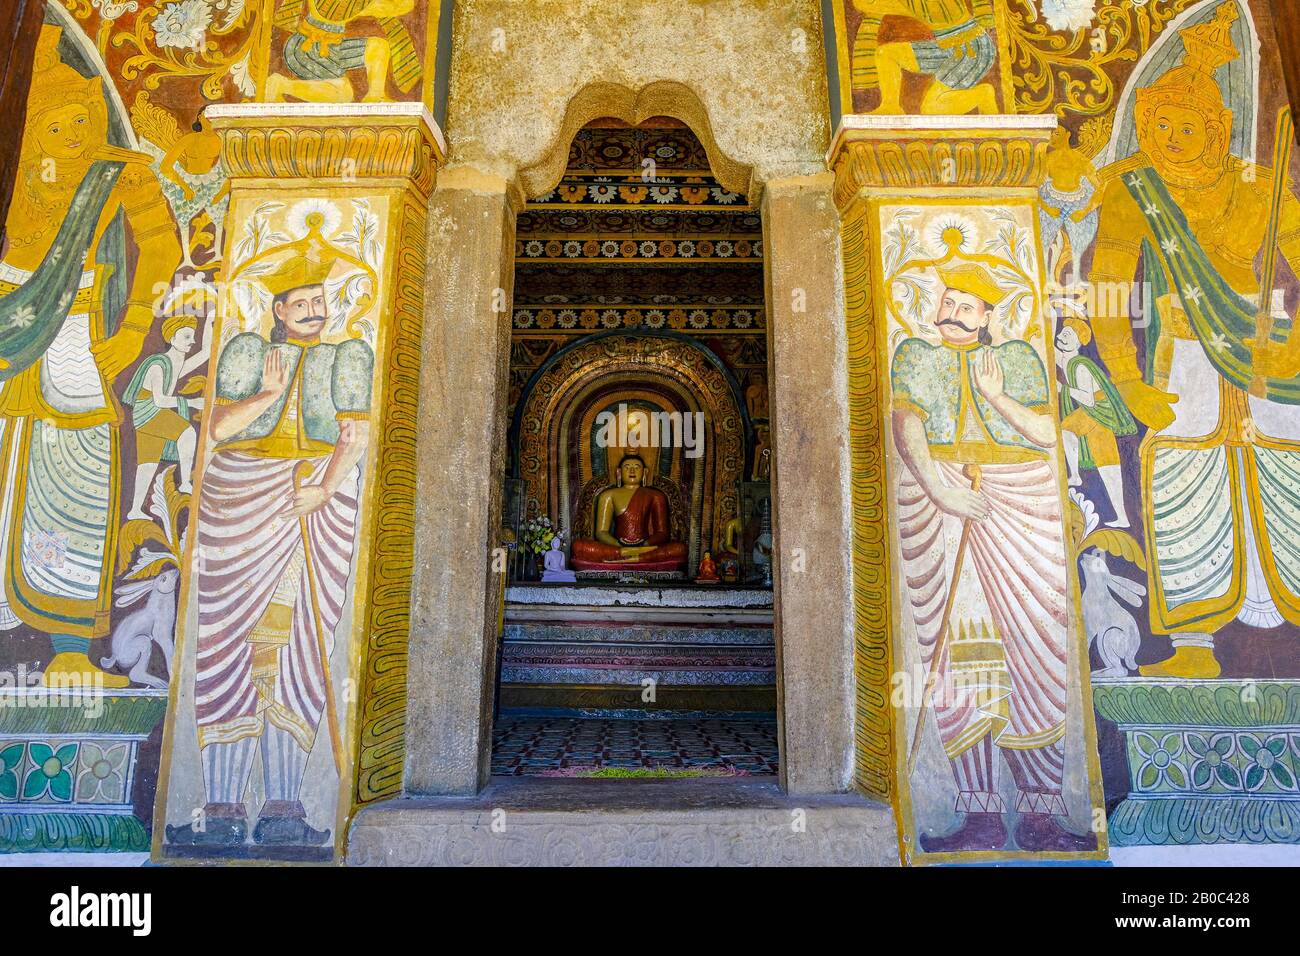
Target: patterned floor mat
(571, 746)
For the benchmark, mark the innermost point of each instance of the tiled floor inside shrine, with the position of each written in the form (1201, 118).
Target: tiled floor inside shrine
(577, 746)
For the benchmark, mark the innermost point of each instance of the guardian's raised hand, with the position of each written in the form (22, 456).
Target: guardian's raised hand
(988, 375)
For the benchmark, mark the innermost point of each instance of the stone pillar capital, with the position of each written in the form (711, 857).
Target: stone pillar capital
(911, 152)
(485, 180)
(330, 143)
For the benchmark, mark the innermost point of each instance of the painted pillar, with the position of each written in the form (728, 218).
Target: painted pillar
(457, 585)
(288, 707)
(929, 206)
(812, 533)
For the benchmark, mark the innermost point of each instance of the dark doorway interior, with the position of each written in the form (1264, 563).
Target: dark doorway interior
(638, 291)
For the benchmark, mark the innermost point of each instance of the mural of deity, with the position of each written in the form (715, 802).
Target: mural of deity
(1185, 209)
(323, 49)
(953, 49)
(73, 317)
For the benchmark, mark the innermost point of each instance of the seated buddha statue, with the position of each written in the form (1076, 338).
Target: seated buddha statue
(631, 526)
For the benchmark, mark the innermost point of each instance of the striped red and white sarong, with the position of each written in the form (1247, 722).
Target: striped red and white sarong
(1008, 680)
(251, 550)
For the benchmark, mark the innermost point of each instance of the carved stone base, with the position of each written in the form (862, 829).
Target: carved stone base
(626, 823)
(626, 576)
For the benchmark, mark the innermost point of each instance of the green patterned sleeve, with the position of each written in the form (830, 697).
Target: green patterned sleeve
(908, 370)
(1026, 378)
(354, 365)
(239, 370)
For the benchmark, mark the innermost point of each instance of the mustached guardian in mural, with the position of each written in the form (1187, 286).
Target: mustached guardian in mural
(277, 523)
(973, 426)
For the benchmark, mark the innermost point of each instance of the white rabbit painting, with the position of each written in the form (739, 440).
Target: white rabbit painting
(1110, 626)
(138, 632)
(149, 552)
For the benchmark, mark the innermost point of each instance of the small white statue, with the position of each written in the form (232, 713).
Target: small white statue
(553, 563)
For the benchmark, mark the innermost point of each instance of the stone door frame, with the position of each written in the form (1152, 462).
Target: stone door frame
(456, 593)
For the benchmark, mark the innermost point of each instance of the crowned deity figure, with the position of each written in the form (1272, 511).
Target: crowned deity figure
(953, 47)
(73, 317)
(631, 526)
(1221, 459)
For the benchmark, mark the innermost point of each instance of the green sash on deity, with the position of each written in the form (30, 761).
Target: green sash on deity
(1221, 318)
(1154, 277)
(31, 315)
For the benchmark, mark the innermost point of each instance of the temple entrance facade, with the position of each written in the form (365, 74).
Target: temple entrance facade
(637, 629)
(791, 402)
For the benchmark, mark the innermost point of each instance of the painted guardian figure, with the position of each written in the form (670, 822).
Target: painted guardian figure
(276, 525)
(972, 424)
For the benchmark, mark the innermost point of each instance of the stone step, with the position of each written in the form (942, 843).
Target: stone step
(622, 595)
(701, 606)
(519, 666)
(615, 632)
(527, 613)
(610, 700)
(627, 655)
(675, 822)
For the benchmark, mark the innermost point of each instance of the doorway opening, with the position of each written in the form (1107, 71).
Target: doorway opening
(637, 635)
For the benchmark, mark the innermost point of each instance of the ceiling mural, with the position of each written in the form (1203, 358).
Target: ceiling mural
(644, 250)
(662, 190)
(742, 281)
(597, 223)
(673, 149)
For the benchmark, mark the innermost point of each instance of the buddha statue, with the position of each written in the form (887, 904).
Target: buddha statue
(631, 526)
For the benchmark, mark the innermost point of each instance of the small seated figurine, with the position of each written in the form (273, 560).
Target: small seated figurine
(631, 527)
(708, 571)
(554, 569)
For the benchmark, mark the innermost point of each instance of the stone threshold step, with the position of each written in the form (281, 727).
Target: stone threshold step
(593, 614)
(646, 822)
(622, 595)
(651, 634)
(631, 678)
(716, 699)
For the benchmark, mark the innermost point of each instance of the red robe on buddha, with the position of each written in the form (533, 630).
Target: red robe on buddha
(643, 522)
